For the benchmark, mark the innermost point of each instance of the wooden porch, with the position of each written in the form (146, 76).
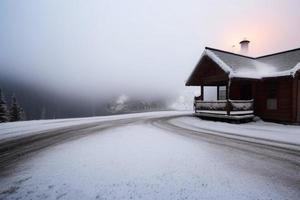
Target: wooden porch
(224, 108)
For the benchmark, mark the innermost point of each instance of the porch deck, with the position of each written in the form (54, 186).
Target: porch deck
(225, 110)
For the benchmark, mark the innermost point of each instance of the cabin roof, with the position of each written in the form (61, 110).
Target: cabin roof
(285, 63)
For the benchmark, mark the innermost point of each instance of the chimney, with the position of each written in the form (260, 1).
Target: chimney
(244, 46)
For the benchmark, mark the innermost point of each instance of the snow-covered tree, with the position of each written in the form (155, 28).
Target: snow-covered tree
(3, 109)
(15, 111)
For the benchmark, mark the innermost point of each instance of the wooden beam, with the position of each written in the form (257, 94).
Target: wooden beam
(202, 92)
(226, 92)
(218, 92)
(228, 104)
(214, 79)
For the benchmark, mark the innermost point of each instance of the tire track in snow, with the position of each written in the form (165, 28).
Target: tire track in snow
(276, 150)
(17, 149)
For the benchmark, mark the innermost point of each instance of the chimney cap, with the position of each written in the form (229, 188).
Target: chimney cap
(244, 41)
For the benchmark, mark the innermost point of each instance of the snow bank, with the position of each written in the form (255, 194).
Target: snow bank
(23, 128)
(289, 134)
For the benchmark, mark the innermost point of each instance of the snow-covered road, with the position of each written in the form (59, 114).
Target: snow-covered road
(146, 157)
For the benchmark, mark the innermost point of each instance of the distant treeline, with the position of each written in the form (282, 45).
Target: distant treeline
(15, 112)
(11, 113)
(34, 103)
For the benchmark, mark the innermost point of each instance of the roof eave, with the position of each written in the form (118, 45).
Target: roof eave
(215, 58)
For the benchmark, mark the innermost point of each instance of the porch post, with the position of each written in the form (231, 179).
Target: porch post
(218, 92)
(228, 104)
(202, 93)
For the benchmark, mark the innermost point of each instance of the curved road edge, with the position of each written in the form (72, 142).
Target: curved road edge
(264, 147)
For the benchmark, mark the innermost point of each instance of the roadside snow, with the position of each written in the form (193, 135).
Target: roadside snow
(262, 130)
(24, 128)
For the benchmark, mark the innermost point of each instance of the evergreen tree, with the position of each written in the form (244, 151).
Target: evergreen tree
(3, 109)
(15, 112)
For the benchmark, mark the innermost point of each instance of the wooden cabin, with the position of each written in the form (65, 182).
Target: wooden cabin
(266, 86)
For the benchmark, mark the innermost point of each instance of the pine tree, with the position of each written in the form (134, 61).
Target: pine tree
(15, 112)
(3, 109)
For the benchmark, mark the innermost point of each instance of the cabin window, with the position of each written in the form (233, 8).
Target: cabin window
(272, 96)
(222, 93)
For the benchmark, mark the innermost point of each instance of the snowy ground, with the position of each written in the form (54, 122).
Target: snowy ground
(24, 128)
(140, 160)
(283, 135)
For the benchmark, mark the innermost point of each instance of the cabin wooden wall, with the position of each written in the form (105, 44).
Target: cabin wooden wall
(285, 100)
(295, 104)
(236, 89)
(296, 98)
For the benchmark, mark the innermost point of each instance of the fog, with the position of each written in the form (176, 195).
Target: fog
(93, 49)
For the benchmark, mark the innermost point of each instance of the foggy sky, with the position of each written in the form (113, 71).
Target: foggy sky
(95, 48)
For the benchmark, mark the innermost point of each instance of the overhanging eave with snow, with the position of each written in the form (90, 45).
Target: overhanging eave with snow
(217, 66)
(208, 72)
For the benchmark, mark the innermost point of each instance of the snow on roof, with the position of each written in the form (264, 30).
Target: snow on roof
(295, 69)
(218, 60)
(239, 66)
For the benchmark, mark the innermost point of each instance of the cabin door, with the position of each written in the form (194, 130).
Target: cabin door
(298, 102)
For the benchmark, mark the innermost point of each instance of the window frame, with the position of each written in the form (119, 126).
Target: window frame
(272, 91)
(222, 92)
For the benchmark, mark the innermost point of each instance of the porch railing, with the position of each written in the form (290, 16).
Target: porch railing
(227, 106)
